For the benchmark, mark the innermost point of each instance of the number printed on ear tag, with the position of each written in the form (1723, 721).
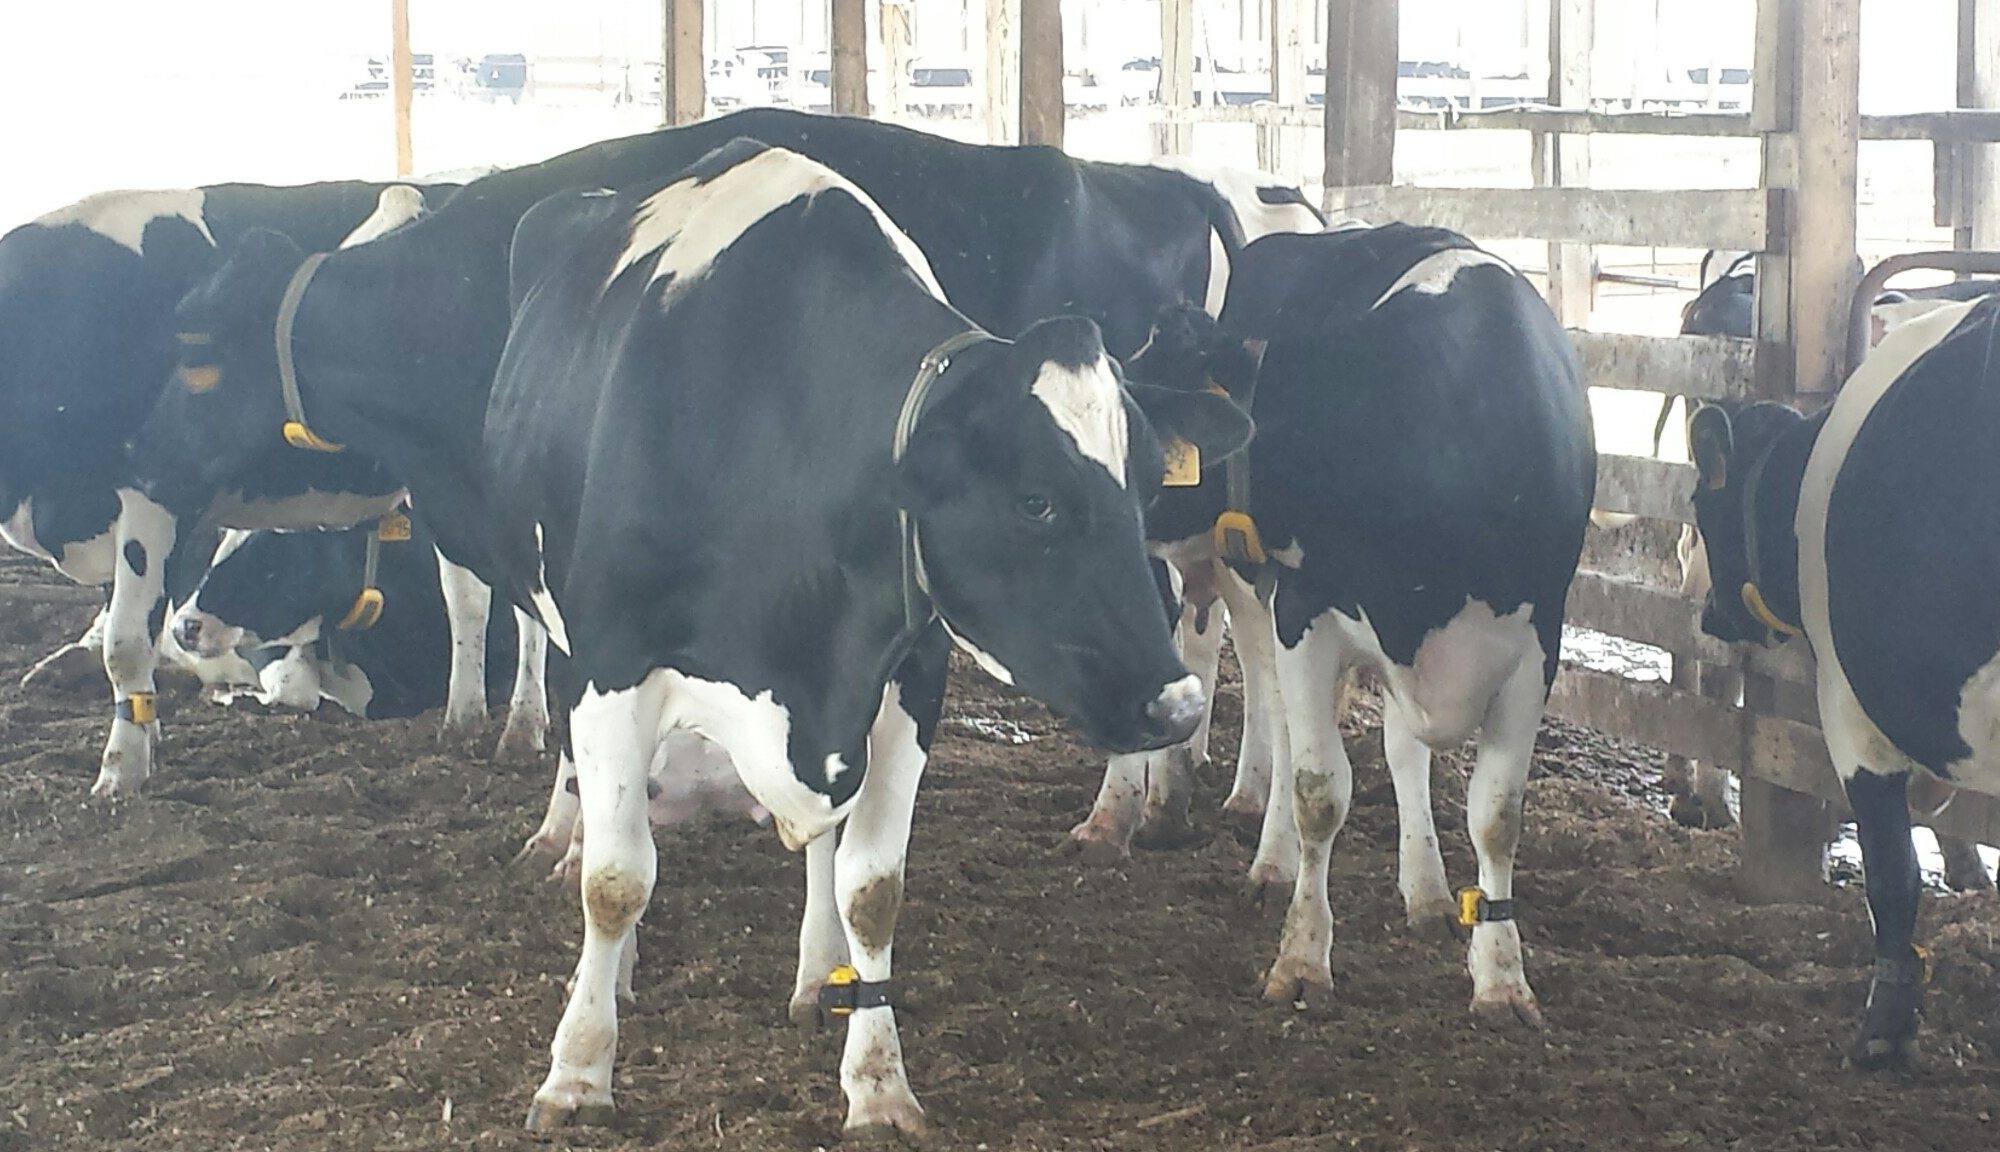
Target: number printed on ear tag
(1183, 463)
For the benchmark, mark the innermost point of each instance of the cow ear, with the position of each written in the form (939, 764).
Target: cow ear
(1214, 424)
(1711, 441)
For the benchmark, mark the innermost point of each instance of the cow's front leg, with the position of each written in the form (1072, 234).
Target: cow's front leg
(868, 885)
(526, 733)
(822, 934)
(552, 839)
(468, 604)
(1493, 802)
(146, 534)
(1105, 837)
(1889, 867)
(1164, 822)
(1263, 720)
(1427, 898)
(613, 734)
(1320, 783)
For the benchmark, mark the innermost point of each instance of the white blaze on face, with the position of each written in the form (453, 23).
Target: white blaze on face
(398, 205)
(1432, 276)
(1088, 404)
(695, 222)
(122, 217)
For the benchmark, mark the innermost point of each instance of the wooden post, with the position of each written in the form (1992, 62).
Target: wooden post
(1977, 223)
(1361, 54)
(402, 83)
(1042, 72)
(1175, 137)
(895, 30)
(1002, 89)
(847, 36)
(1291, 24)
(1564, 161)
(683, 83)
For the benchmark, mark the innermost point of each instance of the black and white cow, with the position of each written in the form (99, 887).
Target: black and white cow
(394, 343)
(752, 470)
(296, 605)
(1871, 528)
(1420, 484)
(87, 297)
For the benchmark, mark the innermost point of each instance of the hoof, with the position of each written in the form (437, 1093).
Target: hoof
(1169, 835)
(521, 742)
(1889, 1030)
(891, 1119)
(461, 728)
(1881, 1054)
(563, 1110)
(1265, 881)
(1436, 920)
(541, 846)
(1300, 986)
(67, 667)
(1245, 819)
(804, 1012)
(1507, 1008)
(568, 870)
(1099, 845)
(1691, 812)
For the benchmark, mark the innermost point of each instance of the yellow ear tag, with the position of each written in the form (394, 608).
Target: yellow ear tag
(393, 528)
(366, 612)
(1183, 463)
(200, 377)
(300, 436)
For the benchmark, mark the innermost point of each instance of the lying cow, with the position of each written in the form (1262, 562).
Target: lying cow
(1414, 505)
(302, 608)
(852, 473)
(1870, 528)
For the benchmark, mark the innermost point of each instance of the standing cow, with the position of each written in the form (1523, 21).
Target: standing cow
(1871, 528)
(1414, 505)
(752, 469)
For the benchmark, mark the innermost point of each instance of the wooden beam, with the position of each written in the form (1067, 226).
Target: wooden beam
(1174, 136)
(1572, 33)
(683, 83)
(847, 35)
(1644, 486)
(1707, 367)
(1826, 174)
(1979, 87)
(402, 83)
(1291, 30)
(1361, 53)
(1042, 72)
(893, 24)
(1002, 91)
(1740, 218)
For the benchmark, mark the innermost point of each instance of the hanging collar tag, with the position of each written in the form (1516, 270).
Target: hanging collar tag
(298, 433)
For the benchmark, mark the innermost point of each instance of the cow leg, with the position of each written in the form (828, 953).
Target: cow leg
(468, 603)
(1164, 823)
(1106, 835)
(527, 728)
(1493, 801)
(146, 534)
(553, 836)
(1263, 713)
(822, 938)
(1964, 871)
(72, 658)
(1427, 898)
(868, 887)
(1320, 783)
(1889, 869)
(614, 735)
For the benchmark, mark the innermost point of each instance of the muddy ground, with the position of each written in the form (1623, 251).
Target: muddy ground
(306, 936)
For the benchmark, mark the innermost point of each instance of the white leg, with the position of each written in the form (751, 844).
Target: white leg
(1420, 873)
(550, 840)
(1106, 836)
(146, 534)
(1263, 709)
(85, 649)
(868, 886)
(822, 940)
(1201, 651)
(1322, 787)
(614, 736)
(467, 604)
(528, 713)
(1500, 990)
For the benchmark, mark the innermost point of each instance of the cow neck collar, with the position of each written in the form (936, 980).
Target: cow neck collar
(298, 433)
(1752, 591)
(918, 607)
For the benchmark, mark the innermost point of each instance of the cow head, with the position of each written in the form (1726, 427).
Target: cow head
(1028, 481)
(270, 589)
(1187, 351)
(1750, 551)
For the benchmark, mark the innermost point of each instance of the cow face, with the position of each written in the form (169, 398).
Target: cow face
(221, 407)
(267, 588)
(1727, 450)
(1028, 481)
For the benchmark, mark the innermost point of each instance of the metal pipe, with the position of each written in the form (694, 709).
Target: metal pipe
(1986, 263)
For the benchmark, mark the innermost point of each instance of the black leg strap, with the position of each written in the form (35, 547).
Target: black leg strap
(1475, 909)
(1904, 971)
(846, 993)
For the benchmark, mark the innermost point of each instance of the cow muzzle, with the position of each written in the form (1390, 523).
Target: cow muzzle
(202, 635)
(1173, 715)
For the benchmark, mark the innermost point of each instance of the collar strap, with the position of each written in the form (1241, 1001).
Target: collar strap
(1908, 972)
(1752, 593)
(298, 433)
(917, 607)
(1235, 532)
(367, 609)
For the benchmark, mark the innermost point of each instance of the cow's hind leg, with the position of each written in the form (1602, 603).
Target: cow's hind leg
(1263, 712)
(1320, 781)
(553, 837)
(1164, 823)
(1493, 802)
(1889, 868)
(1964, 871)
(146, 534)
(72, 659)
(614, 734)
(822, 939)
(1420, 873)
(468, 604)
(526, 733)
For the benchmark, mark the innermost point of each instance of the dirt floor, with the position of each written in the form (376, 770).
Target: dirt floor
(306, 935)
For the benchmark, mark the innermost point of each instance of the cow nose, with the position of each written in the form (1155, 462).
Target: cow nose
(187, 631)
(1177, 709)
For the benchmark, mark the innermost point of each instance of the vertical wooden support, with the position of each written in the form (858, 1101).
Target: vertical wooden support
(1175, 137)
(1002, 89)
(1564, 161)
(1783, 858)
(683, 84)
(847, 36)
(1361, 53)
(1822, 217)
(1977, 221)
(402, 83)
(1042, 72)
(1291, 28)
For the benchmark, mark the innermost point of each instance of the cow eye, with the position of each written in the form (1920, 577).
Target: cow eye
(1037, 508)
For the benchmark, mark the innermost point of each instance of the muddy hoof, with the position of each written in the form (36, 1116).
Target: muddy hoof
(1097, 845)
(1436, 920)
(804, 1012)
(1246, 823)
(1889, 1031)
(552, 1115)
(1169, 836)
(1266, 887)
(893, 1120)
(1879, 1054)
(1504, 1009)
(520, 743)
(1298, 987)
